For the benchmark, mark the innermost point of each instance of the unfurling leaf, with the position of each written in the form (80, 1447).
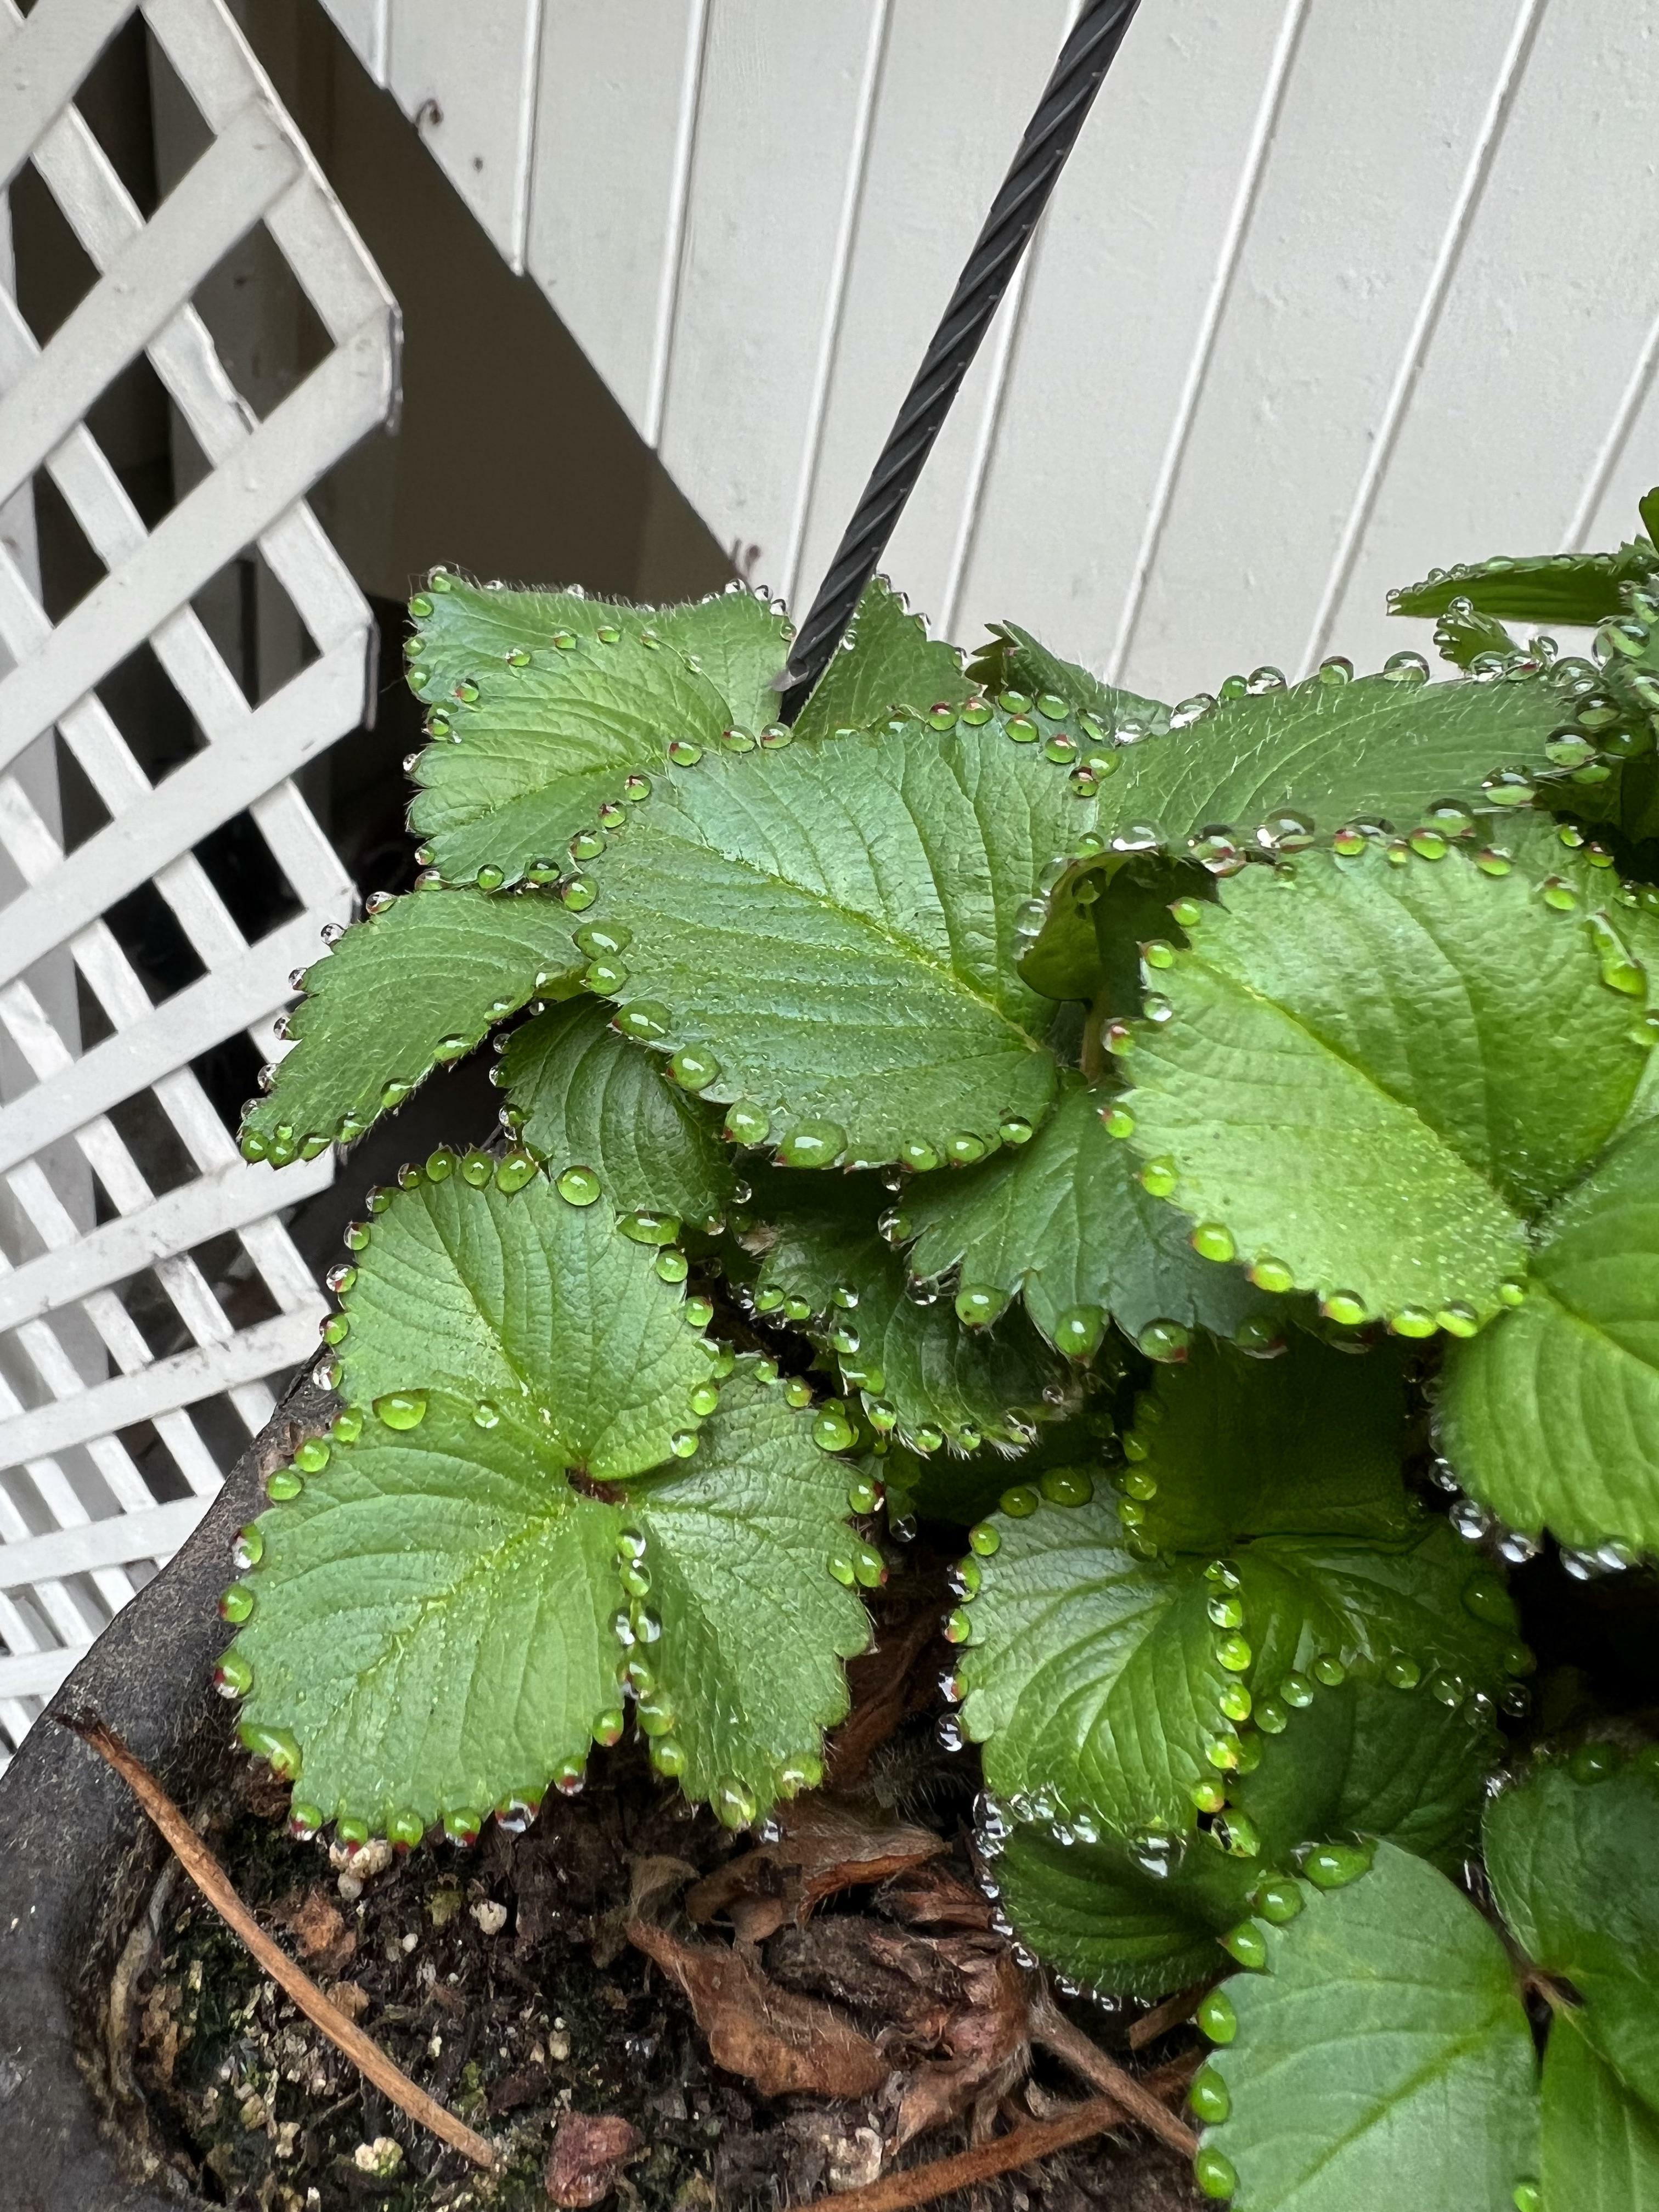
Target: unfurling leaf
(1558, 587)
(886, 664)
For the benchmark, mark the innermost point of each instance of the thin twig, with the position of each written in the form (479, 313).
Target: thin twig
(209, 1877)
(921, 2184)
(1051, 2028)
(1170, 2014)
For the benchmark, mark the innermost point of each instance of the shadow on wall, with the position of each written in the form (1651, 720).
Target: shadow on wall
(511, 458)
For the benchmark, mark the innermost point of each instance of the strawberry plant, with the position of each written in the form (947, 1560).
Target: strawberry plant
(1206, 1151)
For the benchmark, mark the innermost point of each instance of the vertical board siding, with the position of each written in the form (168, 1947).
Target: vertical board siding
(1554, 305)
(613, 116)
(466, 75)
(1112, 321)
(1373, 141)
(952, 97)
(1326, 296)
(777, 122)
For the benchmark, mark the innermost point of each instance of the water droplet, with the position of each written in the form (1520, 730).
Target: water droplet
(1216, 2018)
(1406, 668)
(401, 1409)
(1346, 1307)
(978, 1305)
(514, 1172)
(1211, 1240)
(1248, 1945)
(1332, 1866)
(812, 1144)
(1167, 1341)
(1328, 1670)
(1457, 1318)
(1296, 1690)
(276, 1746)
(1402, 1671)
(831, 1430)
(1080, 1331)
(642, 1227)
(1594, 1762)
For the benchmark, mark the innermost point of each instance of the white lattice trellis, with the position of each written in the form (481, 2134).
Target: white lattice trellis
(112, 1434)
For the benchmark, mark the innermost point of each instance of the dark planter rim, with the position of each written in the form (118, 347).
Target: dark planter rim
(79, 1861)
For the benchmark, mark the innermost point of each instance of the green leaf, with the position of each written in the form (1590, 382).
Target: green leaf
(1369, 1078)
(496, 1296)
(1382, 2059)
(1551, 1417)
(888, 664)
(1135, 1684)
(418, 984)
(860, 890)
(1463, 636)
(1064, 1221)
(433, 1637)
(1575, 1868)
(920, 1371)
(738, 642)
(1224, 1446)
(1561, 587)
(1012, 659)
(1600, 2146)
(596, 1101)
(1272, 770)
(542, 713)
(1143, 1921)
(1091, 1671)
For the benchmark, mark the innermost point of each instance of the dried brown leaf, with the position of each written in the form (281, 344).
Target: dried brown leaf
(827, 1846)
(987, 2038)
(785, 2044)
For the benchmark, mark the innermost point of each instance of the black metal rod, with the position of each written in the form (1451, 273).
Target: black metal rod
(1049, 136)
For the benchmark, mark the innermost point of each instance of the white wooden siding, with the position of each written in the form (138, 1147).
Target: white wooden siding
(81, 1520)
(1327, 294)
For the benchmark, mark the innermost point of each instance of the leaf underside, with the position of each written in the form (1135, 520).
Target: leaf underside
(1551, 1418)
(1562, 587)
(401, 993)
(1063, 1222)
(1377, 1074)
(1383, 2059)
(859, 889)
(592, 1099)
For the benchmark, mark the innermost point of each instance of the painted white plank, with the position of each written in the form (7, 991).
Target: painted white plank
(1627, 468)
(213, 1007)
(362, 24)
(42, 64)
(275, 740)
(39, 1674)
(341, 398)
(775, 126)
(209, 1206)
(614, 118)
(1323, 303)
(217, 69)
(466, 77)
(266, 1349)
(215, 203)
(959, 82)
(1138, 234)
(1555, 296)
(154, 1533)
